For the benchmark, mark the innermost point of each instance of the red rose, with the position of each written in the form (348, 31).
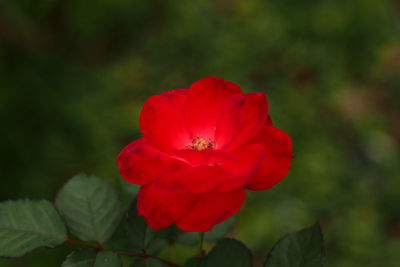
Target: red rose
(202, 147)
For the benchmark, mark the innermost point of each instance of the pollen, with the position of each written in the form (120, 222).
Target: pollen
(199, 143)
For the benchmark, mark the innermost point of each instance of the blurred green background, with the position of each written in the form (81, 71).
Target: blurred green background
(74, 75)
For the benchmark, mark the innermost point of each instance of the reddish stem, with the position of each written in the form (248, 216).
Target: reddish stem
(81, 244)
(142, 255)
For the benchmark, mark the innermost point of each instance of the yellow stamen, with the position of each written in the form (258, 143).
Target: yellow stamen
(200, 143)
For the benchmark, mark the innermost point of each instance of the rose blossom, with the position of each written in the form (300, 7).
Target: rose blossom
(202, 147)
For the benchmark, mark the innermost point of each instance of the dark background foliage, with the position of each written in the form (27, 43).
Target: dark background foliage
(75, 74)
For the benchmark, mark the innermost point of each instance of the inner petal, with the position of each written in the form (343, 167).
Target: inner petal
(203, 104)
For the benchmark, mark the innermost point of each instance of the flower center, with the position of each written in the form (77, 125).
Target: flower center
(199, 143)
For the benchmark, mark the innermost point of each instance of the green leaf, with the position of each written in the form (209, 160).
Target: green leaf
(219, 231)
(131, 189)
(107, 259)
(91, 258)
(228, 252)
(195, 262)
(90, 206)
(80, 258)
(170, 233)
(148, 262)
(26, 225)
(156, 246)
(120, 241)
(303, 249)
(139, 233)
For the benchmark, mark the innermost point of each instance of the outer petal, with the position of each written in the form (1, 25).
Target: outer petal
(162, 123)
(241, 118)
(211, 209)
(141, 163)
(178, 97)
(240, 171)
(204, 157)
(193, 157)
(276, 164)
(204, 102)
(201, 178)
(164, 202)
(268, 121)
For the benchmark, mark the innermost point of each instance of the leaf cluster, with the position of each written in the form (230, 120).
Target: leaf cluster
(88, 213)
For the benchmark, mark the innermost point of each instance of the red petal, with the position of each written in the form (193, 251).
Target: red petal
(241, 118)
(276, 164)
(164, 202)
(141, 163)
(204, 102)
(202, 178)
(178, 97)
(204, 157)
(268, 121)
(162, 123)
(241, 170)
(193, 157)
(212, 208)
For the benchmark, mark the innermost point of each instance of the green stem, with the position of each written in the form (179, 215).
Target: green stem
(200, 244)
(199, 253)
